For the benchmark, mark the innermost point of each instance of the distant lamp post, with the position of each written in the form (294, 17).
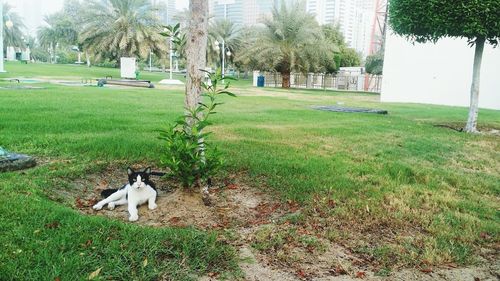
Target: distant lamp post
(221, 46)
(150, 60)
(1, 40)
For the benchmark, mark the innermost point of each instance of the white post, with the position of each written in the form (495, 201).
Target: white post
(88, 58)
(256, 74)
(51, 53)
(223, 57)
(79, 57)
(1, 38)
(150, 59)
(171, 56)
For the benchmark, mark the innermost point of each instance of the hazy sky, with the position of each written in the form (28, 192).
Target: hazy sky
(57, 4)
(182, 4)
(33, 11)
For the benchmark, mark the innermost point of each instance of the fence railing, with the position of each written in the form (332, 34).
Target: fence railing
(346, 82)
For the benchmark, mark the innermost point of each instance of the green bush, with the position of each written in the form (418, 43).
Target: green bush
(375, 63)
(188, 156)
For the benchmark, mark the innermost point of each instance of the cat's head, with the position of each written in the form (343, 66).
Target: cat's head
(138, 179)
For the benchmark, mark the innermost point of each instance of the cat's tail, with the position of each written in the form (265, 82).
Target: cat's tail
(107, 192)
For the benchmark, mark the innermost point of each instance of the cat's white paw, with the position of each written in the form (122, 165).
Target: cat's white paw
(97, 207)
(152, 207)
(133, 218)
(111, 205)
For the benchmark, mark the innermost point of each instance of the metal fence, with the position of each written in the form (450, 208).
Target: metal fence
(346, 82)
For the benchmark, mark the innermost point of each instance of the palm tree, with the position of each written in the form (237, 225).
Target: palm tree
(291, 40)
(61, 29)
(219, 30)
(12, 34)
(122, 28)
(48, 39)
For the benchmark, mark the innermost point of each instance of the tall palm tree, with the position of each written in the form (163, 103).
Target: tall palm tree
(12, 35)
(291, 40)
(219, 30)
(60, 29)
(122, 28)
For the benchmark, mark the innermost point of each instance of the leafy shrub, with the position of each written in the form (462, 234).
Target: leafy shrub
(187, 155)
(375, 63)
(106, 63)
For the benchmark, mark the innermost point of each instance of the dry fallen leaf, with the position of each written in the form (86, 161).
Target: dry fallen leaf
(95, 274)
(174, 220)
(426, 270)
(360, 274)
(301, 273)
(213, 274)
(145, 262)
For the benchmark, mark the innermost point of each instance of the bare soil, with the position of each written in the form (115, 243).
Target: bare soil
(482, 129)
(247, 213)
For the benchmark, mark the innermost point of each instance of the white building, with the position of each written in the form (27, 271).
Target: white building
(168, 10)
(438, 73)
(355, 18)
(243, 12)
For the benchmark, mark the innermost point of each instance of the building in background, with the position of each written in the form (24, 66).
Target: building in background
(167, 10)
(355, 18)
(231, 10)
(243, 12)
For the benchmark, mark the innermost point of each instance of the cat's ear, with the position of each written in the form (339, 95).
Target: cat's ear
(147, 170)
(130, 171)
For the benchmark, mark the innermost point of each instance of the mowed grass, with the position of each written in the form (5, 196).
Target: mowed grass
(406, 192)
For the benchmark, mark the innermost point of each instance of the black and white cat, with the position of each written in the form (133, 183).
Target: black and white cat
(138, 191)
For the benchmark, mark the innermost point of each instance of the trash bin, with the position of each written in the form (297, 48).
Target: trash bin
(260, 81)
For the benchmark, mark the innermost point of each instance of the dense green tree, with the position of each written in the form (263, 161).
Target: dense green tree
(122, 28)
(349, 57)
(12, 35)
(60, 29)
(291, 40)
(431, 20)
(335, 38)
(375, 63)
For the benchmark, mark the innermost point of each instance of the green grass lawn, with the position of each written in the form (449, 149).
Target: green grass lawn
(405, 192)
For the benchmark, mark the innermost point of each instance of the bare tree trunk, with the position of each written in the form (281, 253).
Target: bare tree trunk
(285, 80)
(474, 91)
(196, 51)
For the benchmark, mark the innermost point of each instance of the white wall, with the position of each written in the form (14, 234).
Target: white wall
(438, 73)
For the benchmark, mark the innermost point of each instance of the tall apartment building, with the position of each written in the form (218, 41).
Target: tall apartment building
(243, 12)
(168, 10)
(354, 17)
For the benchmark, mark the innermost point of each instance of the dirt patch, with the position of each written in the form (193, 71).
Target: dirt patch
(271, 236)
(234, 204)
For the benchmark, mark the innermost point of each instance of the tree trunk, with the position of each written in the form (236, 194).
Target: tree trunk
(196, 51)
(474, 91)
(285, 79)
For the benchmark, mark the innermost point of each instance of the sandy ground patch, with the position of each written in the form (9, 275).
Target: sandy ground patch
(244, 211)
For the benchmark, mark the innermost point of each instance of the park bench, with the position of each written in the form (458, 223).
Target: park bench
(124, 82)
